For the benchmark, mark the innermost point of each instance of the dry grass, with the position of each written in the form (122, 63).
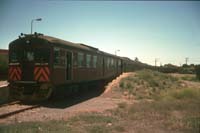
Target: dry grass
(147, 83)
(175, 110)
(172, 108)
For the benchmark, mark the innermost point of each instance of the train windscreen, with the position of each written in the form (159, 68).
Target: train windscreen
(31, 55)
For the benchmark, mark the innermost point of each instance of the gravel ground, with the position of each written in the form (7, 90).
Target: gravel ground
(63, 108)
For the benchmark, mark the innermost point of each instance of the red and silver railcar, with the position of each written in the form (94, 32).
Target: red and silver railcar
(39, 63)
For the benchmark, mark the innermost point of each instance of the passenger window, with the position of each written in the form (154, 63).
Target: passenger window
(94, 61)
(62, 57)
(42, 55)
(56, 56)
(75, 59)
(112, 63)
(119, 63)
(88, 60)
(108, 62)
(80, 60)
(59, 57)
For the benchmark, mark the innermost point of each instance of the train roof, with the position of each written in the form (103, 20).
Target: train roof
(77, 45)
(60, 42)
(68, 43)
(56, 41)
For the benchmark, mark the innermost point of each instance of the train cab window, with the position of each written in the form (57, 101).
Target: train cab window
(94, 61)
(42, 55)
(30, 55)
(80, 59)
(14, 56)
(88, 60)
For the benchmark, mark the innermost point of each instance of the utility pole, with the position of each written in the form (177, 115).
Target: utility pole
(117, 51)
(156, 59)
(38, 19)
(186, 60)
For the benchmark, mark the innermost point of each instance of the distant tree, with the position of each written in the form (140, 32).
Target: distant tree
(136, 59)
(170, 65)
(184, 65)
(169, 68)
(192, 65)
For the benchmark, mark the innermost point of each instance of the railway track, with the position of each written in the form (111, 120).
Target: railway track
(13, 108)
(9, 103)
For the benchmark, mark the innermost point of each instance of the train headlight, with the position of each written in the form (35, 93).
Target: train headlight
(27, 41)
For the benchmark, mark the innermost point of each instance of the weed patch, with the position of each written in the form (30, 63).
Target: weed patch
(29, 127)
(147, 83)
(97, 129)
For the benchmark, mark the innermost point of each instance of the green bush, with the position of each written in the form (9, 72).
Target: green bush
(156, 79)
(186, 93)
(146, 83)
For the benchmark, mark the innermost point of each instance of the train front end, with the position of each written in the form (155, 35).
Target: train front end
(29, 73)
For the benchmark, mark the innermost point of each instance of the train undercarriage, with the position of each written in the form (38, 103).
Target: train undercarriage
(30, 91)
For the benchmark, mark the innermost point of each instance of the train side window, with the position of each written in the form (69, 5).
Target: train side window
(75, 59)
(108, 63)
(56, 56)
(94, 61)
(62, 57)
(119, 63)
(88, 60)
(80, 59)
(112, 62)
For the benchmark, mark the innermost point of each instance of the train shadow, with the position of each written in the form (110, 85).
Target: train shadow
(4, 95)
(60, 101)
(83, 94)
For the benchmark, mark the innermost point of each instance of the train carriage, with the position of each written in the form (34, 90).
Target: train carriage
(38, 64)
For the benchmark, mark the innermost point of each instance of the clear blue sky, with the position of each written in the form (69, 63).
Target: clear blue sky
(169, 31)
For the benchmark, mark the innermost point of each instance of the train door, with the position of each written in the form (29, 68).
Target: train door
(69, 65)
(121, 66)
(117, 66)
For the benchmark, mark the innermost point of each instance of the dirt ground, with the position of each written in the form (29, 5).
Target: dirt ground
(129, 114)
(62, 109)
